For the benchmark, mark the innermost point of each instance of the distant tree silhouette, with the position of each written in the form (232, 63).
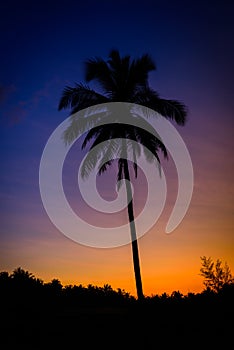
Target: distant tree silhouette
(22, 275)
(215, 275)
(121, 80)
(4, 277)
(5, 284)
(176, 295)
(55, 284)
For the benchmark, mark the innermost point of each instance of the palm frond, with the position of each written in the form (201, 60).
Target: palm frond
(80, 123)
(105, 166)
(144, 133)
(97, 69)
(139, 70)
(104, 153)
(151, 142)
(104, 134)
(171, 109)
(79, 97)
(114, 59)
(91, 160)
(111, 153)
(145, 63)
(93, 132)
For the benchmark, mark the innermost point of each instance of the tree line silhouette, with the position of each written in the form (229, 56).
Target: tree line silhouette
(22, 285)
(50, 315)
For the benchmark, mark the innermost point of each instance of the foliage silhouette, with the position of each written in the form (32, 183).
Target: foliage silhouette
(39, 315)
(120, 80)
(215, 275)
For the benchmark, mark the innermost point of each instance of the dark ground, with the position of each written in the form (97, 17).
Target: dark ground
(125, 327)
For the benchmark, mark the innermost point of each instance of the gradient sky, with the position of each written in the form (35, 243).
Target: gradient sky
(43, 47)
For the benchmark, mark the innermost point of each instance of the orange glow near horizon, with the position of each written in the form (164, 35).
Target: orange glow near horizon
(168, 262)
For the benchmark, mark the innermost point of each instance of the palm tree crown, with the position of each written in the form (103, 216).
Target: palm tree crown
(121, 80)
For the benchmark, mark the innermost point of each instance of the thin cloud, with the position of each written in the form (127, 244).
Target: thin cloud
(5, 92)
(50, 92)
(16, 114)
(17, 108)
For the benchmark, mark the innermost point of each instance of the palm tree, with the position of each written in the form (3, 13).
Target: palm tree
(121, 79)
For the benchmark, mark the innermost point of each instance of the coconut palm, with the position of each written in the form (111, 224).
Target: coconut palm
(121, 79)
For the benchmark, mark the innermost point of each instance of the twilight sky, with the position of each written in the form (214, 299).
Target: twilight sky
(43, 47)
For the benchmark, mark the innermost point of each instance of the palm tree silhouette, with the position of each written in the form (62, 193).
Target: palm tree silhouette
(121, 79)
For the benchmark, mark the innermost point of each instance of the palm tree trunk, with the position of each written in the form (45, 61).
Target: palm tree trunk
(135, 254)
